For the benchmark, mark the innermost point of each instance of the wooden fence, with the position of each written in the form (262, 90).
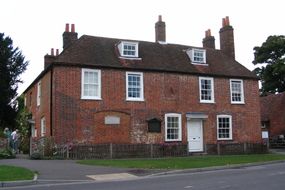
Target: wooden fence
(47, 148)
(114, 151)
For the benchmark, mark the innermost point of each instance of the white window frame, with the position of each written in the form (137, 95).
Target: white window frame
(212, 90)
(43, 126)
(86, 97)
(191, 54)
(241, 92)
(230, 127)
(39, 93)
(141, 98)
(127, 43)
(179, 126)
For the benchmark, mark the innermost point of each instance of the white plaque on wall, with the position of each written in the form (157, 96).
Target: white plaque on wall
(112, 120)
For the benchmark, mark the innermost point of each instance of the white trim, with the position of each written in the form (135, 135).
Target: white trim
(179, 126)
(121, 48)
(130, 58)
(98, 97)
(39, 93)
(212, 90)
(241, 93)
(230, 127)
(141, 98)
(189, 125)
(191, 53)
(43, 127)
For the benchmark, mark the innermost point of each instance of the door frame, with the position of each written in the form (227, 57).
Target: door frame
(201, 135)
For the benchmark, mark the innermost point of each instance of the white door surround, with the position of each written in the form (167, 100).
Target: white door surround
(195, 135)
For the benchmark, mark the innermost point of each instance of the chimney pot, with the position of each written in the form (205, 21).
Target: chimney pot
(72, 28)
(159, 18)
(209, 32)
(66, 27)
(227, 21)
(52, 52)
(57, 52)
(224, 22)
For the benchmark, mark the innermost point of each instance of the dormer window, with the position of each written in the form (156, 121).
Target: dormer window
(129, 49)
(197, 56)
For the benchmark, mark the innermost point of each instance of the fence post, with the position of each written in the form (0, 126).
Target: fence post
(218, 148)
(31, 146)
(151, 150)
(67, 152)
(111, 150)
(244, 147)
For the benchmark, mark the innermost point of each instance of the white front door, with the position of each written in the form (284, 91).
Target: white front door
(195, 135)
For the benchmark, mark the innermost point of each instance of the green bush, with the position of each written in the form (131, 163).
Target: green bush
(6, 154)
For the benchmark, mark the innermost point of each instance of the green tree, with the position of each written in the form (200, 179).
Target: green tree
(12, 65)
(272, 71)
(23, 125)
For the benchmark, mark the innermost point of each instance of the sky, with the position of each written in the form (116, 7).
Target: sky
(36, 26)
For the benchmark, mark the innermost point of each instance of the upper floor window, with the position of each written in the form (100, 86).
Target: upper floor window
(224, 127)
(237, 95)
(206, 85)
(91, 84)
(39, 93)
(134, 86)
(197, 56)
(128, 49)
(173, 130)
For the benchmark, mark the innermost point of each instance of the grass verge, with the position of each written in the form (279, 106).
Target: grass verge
(13, 173)
(185, 162)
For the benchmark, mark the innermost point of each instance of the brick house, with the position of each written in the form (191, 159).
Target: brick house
(272, 109)
(106, 90)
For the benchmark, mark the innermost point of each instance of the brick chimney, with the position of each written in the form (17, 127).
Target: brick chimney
(49, 59)
(69, 36)
(160, 35)
(227, 43)
(209, 40)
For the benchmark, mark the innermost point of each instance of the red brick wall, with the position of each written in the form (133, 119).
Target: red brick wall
(76, 120)
(43, 110)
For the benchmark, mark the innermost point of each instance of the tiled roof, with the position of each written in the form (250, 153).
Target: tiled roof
(103, 52)
(272, 106)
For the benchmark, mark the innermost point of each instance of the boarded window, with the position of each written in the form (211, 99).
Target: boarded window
(154, 125)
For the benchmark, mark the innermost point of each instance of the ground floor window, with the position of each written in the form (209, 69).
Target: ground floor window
(224, 127)
(43, 126)
(173, 129)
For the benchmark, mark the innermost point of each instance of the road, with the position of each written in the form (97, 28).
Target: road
(263, 177)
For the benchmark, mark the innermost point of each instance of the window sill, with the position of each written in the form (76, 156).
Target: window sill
(238, 103)
(225, 139)
(202, 64)
(173, 140)
(130, 58)
(135, 100)
(202, 102)
(90, 98)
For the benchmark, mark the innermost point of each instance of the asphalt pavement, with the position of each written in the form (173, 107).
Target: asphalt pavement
(61, 171)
